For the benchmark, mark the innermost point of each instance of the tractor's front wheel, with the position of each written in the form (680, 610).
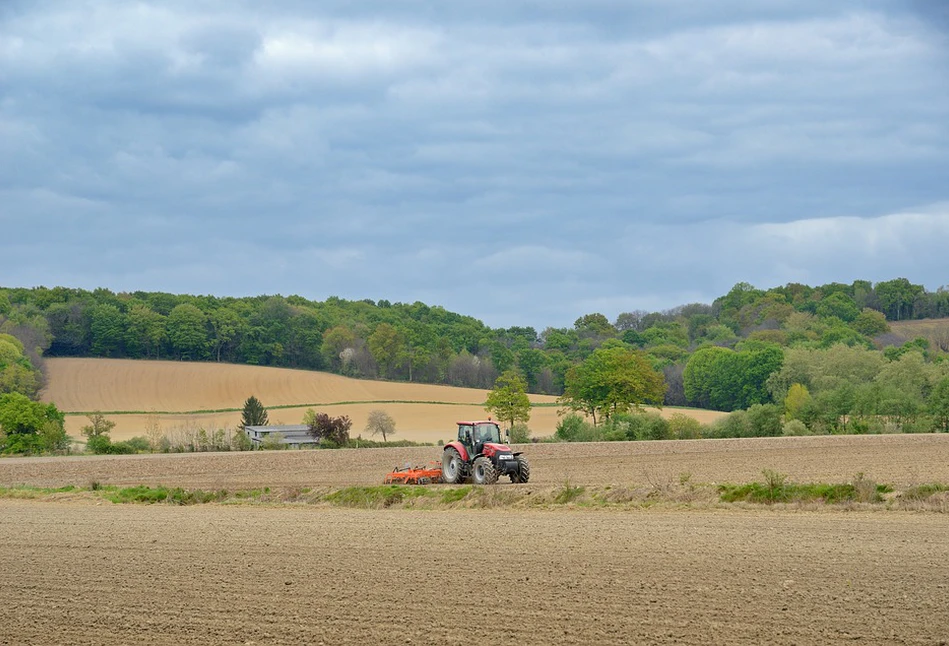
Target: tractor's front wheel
(483, 472)
(523, 472)
(452, 467)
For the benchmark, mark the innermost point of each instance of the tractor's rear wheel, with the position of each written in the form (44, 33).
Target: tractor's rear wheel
(483, 472)
(452, 467)
(523, 472)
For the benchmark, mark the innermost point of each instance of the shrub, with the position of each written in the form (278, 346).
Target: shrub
(568, 493)
(273, 442)
(326, 429)
(240, 441)
(573, 428)
(649, 426)
(683, 427)
(140, 444)
(102, 445)
(734, 425)
(795, 427)
(520, 433)
(764, 420)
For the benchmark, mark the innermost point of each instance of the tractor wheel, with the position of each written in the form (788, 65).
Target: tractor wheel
(483, 472)
(523, 472)
(452, 467)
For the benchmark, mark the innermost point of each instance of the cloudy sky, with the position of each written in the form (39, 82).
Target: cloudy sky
(523, 162)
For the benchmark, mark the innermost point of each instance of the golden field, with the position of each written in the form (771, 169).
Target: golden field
(173, 394)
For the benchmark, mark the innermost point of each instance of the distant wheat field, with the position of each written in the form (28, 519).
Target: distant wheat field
(176, 395)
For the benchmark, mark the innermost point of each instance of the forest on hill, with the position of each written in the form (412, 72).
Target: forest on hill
(827, 346)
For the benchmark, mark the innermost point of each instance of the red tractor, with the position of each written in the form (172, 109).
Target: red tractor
(479, 454)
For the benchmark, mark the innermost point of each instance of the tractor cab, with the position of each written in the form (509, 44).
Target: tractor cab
(475, 435)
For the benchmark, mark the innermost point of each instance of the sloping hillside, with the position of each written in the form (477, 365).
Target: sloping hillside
(138, 395)
(936, 331)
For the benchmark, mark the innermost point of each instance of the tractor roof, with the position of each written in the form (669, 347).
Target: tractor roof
(486, 421)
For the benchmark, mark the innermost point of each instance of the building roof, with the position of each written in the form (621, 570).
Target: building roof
(279, 428)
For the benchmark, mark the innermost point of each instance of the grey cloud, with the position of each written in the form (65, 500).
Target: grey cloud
(567, 154)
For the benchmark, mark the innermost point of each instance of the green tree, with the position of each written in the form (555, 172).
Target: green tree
(108, 326)
(939, 404)
(387, 346)
(225, 327)
(896, 298)
(798, 395)
(508, 399)
(700, 373)
(613, 379)
(838, 305)
(187, 331)
(594, 324)
(98, 426)
(729, 380)
(254, 414)
(870, 323)
(30, 427)
(17, 374)
(336, 341)
(146, 331)
(380, 422)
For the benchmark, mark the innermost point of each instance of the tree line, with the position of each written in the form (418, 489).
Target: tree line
(722, 355)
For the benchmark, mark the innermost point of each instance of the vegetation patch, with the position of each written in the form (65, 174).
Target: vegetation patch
(776, 489)
(682, 493)
(923, 491)
(28, 493)
(567, 493)
(150, 495)
(378, 497)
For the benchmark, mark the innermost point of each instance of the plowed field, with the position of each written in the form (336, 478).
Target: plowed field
(169, 394)
(895, 459)
(82, 574)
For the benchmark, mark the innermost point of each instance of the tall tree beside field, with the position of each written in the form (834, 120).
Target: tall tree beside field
(254, 414)
(727, 380)
(614, 379)
(508, 400)
(380, 423)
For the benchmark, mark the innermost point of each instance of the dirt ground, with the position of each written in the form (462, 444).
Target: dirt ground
(894, 459)
(214, 574)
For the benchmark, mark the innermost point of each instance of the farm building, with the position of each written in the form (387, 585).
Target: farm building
(293, 435)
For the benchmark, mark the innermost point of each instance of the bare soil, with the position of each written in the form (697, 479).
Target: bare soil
(213, 574)
(895, 459)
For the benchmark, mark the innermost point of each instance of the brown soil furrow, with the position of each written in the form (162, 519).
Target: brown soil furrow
(895, 459)
(248, 575)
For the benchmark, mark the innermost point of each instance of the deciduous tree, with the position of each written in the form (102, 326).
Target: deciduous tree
(613, 379)
(508, 399)
(380, 422)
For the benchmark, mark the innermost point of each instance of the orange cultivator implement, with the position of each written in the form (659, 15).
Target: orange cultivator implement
(432, 474)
